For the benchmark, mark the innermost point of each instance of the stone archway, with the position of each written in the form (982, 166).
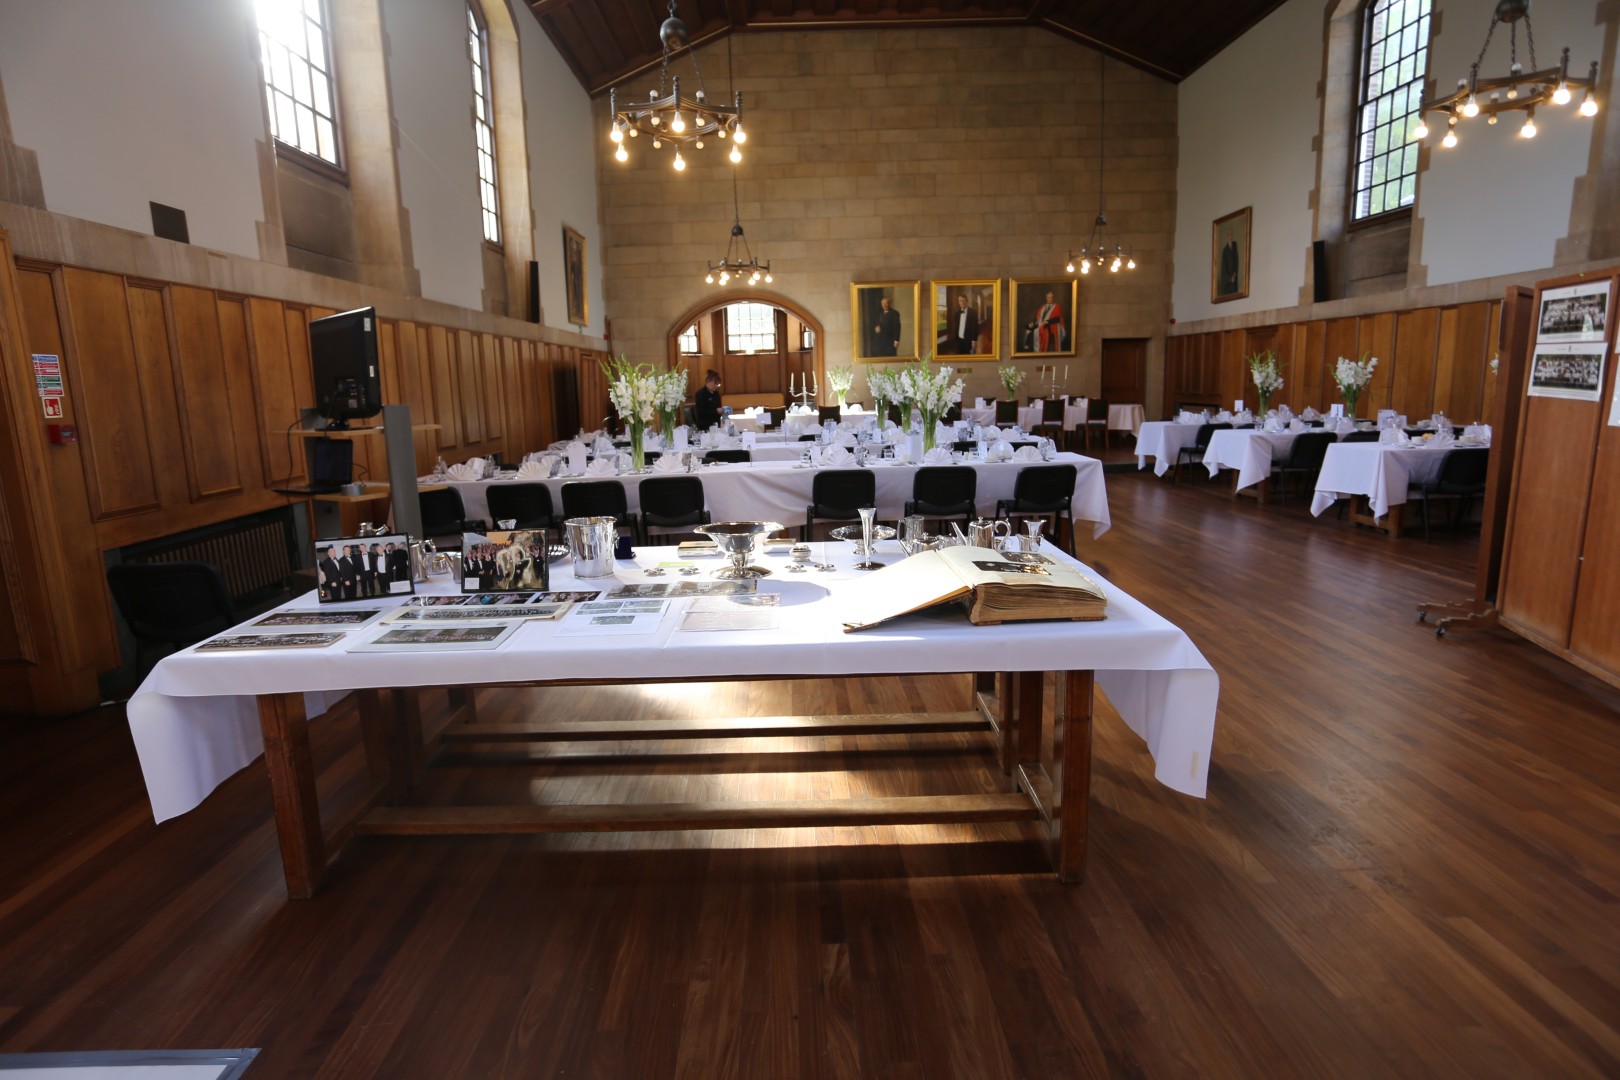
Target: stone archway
(758, 378)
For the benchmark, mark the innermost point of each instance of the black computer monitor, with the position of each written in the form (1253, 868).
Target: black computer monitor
(343, 354)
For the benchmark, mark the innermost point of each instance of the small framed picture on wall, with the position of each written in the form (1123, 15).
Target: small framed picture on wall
(574, 275)
(1229, 256)
(1043, 314)
(967, 318)
(883, 320)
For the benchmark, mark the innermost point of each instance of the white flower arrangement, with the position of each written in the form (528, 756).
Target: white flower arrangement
(1263, 369)
(634, 389)
(1010, 378)
(931, 390)
(881, 381)
(840, 379)
(1352, 377)
(671, 395)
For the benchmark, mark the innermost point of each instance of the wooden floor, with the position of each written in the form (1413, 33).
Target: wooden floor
(1408, 865)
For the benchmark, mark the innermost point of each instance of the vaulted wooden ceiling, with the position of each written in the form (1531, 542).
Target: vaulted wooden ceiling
(607, 41)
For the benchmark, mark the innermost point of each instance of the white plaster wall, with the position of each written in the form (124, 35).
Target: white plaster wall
(1496, 204)
(1246, 121)
(564, 149)
(130, 103)
(430, 84)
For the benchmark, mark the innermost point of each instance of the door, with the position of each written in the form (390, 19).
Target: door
(1124, 371)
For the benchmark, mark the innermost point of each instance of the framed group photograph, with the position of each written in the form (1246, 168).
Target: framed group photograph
(1569, 370)
(363, 568)
(967, 318)
(883, 320)
(1574, 313)
(512, 561)
(1229, 256)
(574, 277)
(1043, 316)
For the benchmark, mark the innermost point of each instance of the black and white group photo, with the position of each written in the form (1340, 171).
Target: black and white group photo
(1574, 313)
(1567, 371)
(362, 567)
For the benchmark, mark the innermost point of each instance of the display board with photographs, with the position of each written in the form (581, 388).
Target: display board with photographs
(1574, 313)
(967, 319)
(363, 568)
(504, 561)
(883, 320)
(1043, 315)
(1572, 370)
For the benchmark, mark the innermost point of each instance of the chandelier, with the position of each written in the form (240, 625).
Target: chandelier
(666, 116)
(1515, 90)
(737, 264)
(1098, 251)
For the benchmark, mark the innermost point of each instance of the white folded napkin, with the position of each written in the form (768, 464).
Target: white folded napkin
(1391, 436)
(602, 466)
(1271, 426)
(533, 470)
(1002, 451)
(667, 463)
(838, 455)
(845, 438)
(1346, 425)
(463, 472)
(1296, 424)
(1223, 417)
(1310, 413)
(939, 455)
(604, 445)
(1027, 453)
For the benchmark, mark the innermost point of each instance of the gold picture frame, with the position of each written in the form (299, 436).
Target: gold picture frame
(575, 276)
(879, 334)
(1037, 329)
(983, 311)
(1229, 256)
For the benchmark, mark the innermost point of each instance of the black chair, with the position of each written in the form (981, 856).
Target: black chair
(1304, 458)
(527, 504)
(894, 414)
(778, 414)
(1051, 424)
(173, 603)
(1362, 436)
(829, 412)
(1461, 477)
(444, 515)
(735, 456)
(1006, 412)
(953, 414)
(598, 498)
(1097, 420)
(965, 446)
(811, 437)
(944, 493)
(687, 416)
(671, 503)
(1190, 454)
(838, 495)
(1043, 491)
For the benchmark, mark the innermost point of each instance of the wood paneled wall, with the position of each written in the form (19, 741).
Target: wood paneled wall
(1429, 360)
(184, 397)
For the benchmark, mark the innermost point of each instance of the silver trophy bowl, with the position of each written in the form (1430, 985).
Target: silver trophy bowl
(741, 540)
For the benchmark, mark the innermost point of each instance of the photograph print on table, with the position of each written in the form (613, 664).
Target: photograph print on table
(1574, 313)
(363, 567)
(251, 642)
(504, 561)
(1572, 371)
(300, 617)
(438, 638)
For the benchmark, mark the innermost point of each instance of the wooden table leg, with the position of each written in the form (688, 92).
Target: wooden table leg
(463, 704)
(292, 791)
(387, 745)
(408, 725)
(1072, 736)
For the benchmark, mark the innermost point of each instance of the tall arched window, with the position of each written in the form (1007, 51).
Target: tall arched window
(296, 59)
(483, 125)
(1394, 63)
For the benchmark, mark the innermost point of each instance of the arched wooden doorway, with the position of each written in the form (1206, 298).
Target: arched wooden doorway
(751, 378)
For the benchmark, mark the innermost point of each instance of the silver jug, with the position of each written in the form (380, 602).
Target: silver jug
(420, 552)
(988, 533)
(591, 541)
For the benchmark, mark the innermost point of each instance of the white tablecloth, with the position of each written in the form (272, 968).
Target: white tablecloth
(195, 721)
(985, 417)
(780, 490)
(1125, 418)
(800, 423)
(1162, 440)
(1382, 473)
(1248, 451)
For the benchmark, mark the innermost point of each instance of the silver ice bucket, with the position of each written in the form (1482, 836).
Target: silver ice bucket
(591, 541)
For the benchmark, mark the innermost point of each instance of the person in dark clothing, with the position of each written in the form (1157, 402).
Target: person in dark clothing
(706, 405)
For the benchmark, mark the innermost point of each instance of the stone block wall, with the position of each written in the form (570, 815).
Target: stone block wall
(901, 154)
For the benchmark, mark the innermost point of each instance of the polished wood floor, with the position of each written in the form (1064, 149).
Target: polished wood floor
(1408, 865)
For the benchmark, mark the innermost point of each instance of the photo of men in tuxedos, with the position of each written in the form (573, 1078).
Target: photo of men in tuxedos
(371, 570)
(397, 560)
(330, 584)
(363, 569)
(963, 336)
(349, 573)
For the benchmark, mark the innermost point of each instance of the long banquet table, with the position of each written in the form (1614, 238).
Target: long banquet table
(1163, 441)
(780, 490)
(1249, 451)
(200, 717)
(1381, 473)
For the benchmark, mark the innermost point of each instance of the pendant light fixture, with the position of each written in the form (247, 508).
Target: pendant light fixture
(740, 266)
(667, 117)
(1098, 252)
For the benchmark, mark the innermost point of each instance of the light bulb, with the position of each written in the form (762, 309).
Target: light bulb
(1529, 129)
(699, 144)
(1450, 140)
(1561, 95)
(678, 123)
(680, 162)
(739, 134)
(1070, 267)
(1471, 106)
(1589, 106)
(655, 120)
(724, 277)
(736, 155)
(708, 279)
(1491, 119)
(621, 155)
(1421, 131)
(1085, 266)
(720, 134)
(657, 144)
(768, 279)
(635, 133)
(1113, 267)
(1130, 264)
(615, 134)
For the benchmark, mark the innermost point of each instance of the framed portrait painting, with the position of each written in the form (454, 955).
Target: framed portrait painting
(967, 319)
(883, 320)
(1043, 314)
(1229, 256)
(574, 275)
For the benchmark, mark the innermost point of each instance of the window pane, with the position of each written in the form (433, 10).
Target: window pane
(1395, 59)
(293, 53)
(322, 93)
(326, 140)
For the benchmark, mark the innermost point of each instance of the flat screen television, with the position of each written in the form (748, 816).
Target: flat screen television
(343, 354)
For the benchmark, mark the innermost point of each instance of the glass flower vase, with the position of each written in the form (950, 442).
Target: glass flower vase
(638, 450)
